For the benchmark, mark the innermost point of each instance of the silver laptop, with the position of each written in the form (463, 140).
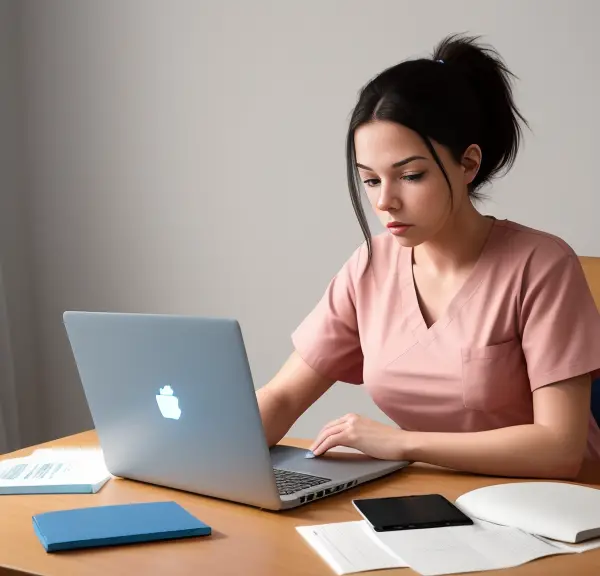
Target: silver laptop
(174, 404)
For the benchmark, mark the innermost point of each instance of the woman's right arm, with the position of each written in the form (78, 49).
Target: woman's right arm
(288, 395)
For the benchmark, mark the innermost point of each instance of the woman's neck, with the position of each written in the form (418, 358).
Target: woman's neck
(458, 245)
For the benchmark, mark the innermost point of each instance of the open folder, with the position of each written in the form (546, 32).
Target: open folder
(349, 547)
(55, 471)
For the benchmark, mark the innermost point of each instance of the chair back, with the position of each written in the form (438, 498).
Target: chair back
(591, 268)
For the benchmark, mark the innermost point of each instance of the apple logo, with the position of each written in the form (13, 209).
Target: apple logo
(168, 404)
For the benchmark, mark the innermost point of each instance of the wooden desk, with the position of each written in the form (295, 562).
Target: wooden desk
(245, 540)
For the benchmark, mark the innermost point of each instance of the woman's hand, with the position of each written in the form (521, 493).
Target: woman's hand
(370, 437)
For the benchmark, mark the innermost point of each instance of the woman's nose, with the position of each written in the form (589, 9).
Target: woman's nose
(388, 199)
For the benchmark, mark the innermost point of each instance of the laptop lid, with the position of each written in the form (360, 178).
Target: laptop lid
(173, 402)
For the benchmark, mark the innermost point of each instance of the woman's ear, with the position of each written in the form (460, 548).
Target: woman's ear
(471, 162)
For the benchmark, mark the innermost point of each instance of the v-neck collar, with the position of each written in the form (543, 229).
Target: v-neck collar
(417, 323)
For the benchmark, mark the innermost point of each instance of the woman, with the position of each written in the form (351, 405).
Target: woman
(479, 338)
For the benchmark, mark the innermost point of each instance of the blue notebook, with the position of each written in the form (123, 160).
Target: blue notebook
(111, 525)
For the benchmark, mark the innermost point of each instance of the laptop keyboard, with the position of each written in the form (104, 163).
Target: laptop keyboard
(291, 482)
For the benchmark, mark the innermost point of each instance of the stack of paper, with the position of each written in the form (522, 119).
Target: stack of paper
(354, 547)
(54, 470)
(349, 547)
(482, 546)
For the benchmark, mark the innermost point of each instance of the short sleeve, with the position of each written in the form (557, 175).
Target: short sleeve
(328, 338)
(560, 324)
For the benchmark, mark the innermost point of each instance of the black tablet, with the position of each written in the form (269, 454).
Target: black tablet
(410, 512)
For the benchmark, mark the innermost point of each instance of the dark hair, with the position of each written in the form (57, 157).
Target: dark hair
(461, 96)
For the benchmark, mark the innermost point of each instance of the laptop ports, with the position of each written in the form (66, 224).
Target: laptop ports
(320, 494)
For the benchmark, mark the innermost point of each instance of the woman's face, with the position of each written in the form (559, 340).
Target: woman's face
(405, 186)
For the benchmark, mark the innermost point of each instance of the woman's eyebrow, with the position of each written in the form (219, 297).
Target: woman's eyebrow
(396, 164)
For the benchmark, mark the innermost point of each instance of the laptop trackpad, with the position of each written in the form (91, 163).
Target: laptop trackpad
(335, 465)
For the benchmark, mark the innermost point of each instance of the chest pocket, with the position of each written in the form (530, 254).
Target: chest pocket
(494, 377)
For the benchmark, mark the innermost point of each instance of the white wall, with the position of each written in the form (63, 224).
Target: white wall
(187, 157)
(19, 395)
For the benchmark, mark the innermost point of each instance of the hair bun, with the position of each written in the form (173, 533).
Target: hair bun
(491, 81)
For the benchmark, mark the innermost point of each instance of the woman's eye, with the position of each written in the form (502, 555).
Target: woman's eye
(372, 182)
(413, 177)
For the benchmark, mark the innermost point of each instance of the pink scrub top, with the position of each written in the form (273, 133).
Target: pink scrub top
(523, 319)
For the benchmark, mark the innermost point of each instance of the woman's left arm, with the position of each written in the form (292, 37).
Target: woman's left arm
(552, 447)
